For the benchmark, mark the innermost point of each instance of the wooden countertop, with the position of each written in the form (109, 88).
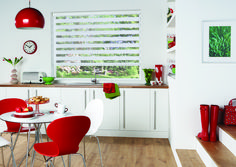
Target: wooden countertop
(82, 85)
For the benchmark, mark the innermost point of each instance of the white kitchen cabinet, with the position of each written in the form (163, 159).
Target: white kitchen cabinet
(111, 109)
(54, 94)
(24, 93)
(18, 92)
(138, 112)
(2, 93)
(135, 109)
(159, 110)
(75, 99)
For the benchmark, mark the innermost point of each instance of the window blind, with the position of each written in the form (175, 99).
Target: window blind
(96, 39)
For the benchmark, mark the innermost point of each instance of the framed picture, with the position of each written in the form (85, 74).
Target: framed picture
(218, 39)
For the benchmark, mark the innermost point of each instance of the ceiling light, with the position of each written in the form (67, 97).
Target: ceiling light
(29, 18)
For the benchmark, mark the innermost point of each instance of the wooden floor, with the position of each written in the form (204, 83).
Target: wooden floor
(116, 152)
(189, 158)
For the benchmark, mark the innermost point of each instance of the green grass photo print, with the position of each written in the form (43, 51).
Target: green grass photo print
(218, 39)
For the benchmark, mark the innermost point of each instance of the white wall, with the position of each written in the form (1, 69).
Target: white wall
(199, 83)
(153, 37)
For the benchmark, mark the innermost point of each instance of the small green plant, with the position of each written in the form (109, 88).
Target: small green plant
(148, 76)
(219, 41)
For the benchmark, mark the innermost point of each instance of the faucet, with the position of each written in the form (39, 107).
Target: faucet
(95, 79)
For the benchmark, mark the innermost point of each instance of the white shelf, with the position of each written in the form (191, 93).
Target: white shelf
(171, 22)
(171, 75)
(171, 49)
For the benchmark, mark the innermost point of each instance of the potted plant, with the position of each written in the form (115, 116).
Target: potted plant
(148, 76)
(13, 62)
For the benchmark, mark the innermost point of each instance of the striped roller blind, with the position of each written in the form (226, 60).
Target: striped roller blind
(85, 42)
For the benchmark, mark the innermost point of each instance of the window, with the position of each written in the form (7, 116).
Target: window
(102, 42)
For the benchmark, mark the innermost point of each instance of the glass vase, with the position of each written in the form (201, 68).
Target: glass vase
(148, 76)
(14, 76)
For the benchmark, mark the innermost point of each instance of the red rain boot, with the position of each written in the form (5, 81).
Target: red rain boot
(204, 109)
(214, 120)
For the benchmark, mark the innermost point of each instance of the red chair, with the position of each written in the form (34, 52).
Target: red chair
(66, 134)
(9, 105)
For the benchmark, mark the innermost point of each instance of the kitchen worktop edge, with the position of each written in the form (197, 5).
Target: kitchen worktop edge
(82, 86)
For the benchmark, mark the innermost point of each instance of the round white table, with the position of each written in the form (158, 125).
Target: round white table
(37, 121)
(46, 118)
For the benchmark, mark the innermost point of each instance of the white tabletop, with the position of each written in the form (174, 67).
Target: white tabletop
(46, 118)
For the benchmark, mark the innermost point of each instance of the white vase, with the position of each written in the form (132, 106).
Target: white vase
(14, 77)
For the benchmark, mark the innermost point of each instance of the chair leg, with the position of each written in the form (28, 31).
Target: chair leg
(48, 161)
(99, 150)
(69, 160)
(45, 126)
(3, 158)
(82, 158)
(2, 155)
(51, 162)
(13, 158)
(13, 145)
(63, 161)
(28, 145)
(84, 148)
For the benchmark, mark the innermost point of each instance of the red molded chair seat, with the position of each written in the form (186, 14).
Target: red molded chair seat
(66, 134)
(49, 149)
(16, 129)
(9, 105)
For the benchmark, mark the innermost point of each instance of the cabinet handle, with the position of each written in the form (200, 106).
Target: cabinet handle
(36, 92)
(85, 99)
(93, 94)
(155, 111)
(28, 93)
(124, 109)
(28, 96)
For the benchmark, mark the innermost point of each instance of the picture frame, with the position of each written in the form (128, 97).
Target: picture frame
(217, 41)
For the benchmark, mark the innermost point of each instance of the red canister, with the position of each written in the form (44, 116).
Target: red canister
(158, 72)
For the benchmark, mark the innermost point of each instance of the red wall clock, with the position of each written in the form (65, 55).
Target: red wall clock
(30, 47)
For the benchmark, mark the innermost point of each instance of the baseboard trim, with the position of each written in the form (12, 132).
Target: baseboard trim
(177, 160)
(118, 133)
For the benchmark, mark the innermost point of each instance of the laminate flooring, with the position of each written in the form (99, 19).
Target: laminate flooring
(189, 158)
(116, 152)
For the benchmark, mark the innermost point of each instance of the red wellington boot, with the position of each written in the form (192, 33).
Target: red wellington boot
(204, 109)
(214, 120)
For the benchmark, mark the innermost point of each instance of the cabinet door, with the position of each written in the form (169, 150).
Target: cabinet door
(52, 93)
(2, 93)
(160, 108)
(3, 125)
(111, 109)
(75, 99)
(136, 109)
(17, 92)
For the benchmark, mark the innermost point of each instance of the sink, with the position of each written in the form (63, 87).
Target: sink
(82, 84)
